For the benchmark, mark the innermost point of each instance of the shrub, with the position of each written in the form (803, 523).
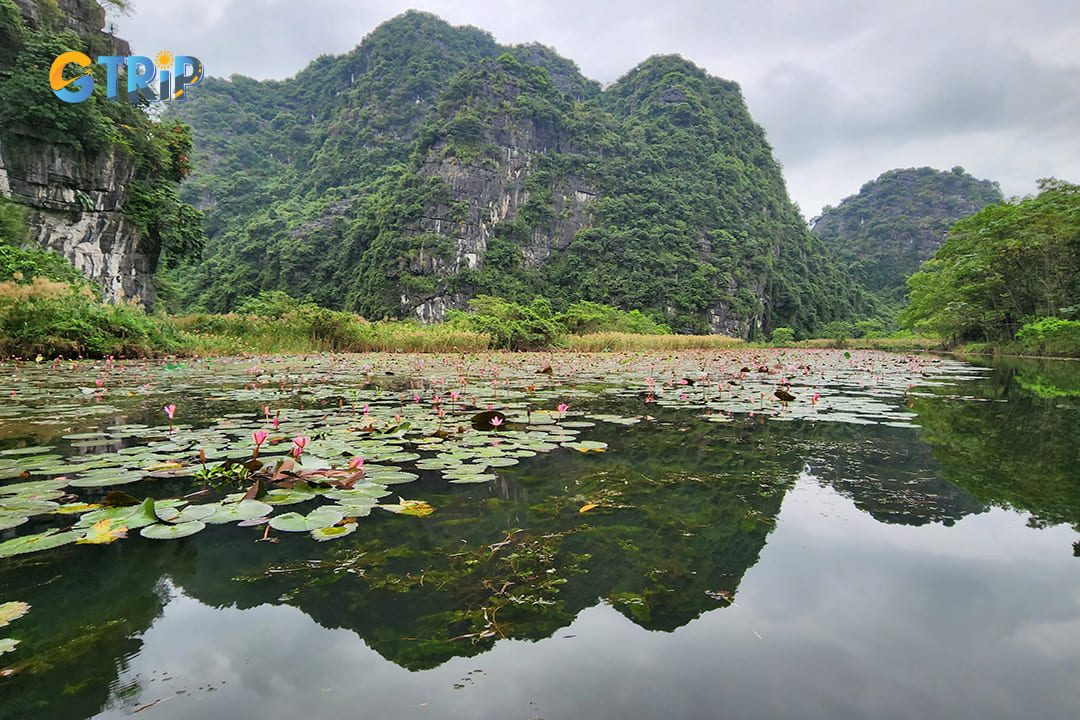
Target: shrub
(585, 318)
(783, 336)
(510, 325)
(1050, 336)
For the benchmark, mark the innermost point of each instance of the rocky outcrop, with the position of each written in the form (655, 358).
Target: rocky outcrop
(74, 208)
(484, 193)
(75, 200)
(83, 17)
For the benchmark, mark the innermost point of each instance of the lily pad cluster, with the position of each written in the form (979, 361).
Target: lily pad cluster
(233, 441)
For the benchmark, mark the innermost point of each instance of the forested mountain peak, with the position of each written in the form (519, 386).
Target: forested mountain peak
(430, 165)
(899, 220)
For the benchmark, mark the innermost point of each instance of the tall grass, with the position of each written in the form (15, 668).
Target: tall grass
(907, 343)
(326, 331)
(616, 341)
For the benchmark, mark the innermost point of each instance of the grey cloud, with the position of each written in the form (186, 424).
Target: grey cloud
(845, 89)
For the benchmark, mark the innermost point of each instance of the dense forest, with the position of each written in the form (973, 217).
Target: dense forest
(896, 222)
(432, 170)
(431, 165)
(1009, 272)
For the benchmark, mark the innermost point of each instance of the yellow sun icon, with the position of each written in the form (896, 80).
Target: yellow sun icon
(164, 60)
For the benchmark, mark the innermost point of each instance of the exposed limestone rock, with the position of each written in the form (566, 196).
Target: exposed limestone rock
(83, 17)
(491, 193)
(74, 201)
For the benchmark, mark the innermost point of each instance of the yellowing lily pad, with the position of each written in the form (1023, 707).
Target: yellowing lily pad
(12, 611)
(333, 532)
(103, 532)
(416, 508)
(586, 446)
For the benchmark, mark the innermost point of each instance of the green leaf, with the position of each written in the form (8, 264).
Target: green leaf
(171, 532)
(320, 517)
(238, 512)
(33, 543)
(300, 492)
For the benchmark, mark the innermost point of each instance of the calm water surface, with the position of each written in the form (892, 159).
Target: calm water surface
(768, 565)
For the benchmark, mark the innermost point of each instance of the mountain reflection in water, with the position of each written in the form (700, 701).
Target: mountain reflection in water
(773, 569)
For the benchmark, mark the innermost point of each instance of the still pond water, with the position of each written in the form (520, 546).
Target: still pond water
(637, 536)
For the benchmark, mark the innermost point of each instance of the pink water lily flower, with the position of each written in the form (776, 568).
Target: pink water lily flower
(357, 463)
(299, 443)
(259, 436)
(170, 410)
(496, 421)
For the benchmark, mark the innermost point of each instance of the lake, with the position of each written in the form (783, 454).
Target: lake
(618, 535)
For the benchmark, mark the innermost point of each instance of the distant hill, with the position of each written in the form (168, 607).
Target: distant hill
(898, 221)
(431, 164)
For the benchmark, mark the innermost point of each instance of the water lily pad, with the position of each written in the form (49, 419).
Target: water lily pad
(9, 520)
(106, 479)
(133, 517)
(354, 508)
(237, 512)
(470, 479)
(12, 611)
(7, 645)
(76, 507)
(103, 532)
(501, 461)
(416, 508)
(33, 488)
(320, 517)
(586, 446)
(333, 532)
(359, 492)
(33, 543)
(34, 450)
(391, 478)
(300, 492)
(28, 506)
(171, 532)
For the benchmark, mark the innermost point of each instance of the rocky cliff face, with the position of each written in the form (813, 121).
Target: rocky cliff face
(83, 17)
(75, 199)
(482, 194)
(74, 209)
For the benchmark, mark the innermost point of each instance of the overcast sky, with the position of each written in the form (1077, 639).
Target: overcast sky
(845, 89)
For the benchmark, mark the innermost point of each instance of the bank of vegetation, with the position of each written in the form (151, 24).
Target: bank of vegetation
(1007, 279)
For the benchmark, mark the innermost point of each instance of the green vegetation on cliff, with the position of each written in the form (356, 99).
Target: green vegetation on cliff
(897, 221)
(431, 165)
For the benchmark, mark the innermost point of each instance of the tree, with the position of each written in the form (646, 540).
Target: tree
(1002, 267)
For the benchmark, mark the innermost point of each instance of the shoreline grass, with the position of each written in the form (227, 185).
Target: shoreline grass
(125, 331)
